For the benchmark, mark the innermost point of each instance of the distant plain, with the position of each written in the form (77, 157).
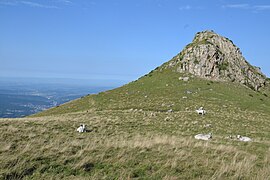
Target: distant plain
(20, 97)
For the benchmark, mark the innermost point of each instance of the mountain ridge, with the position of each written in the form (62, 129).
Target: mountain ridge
(215, 57)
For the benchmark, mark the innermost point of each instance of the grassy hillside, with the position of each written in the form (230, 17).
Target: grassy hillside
(162, 90)
(132, 136)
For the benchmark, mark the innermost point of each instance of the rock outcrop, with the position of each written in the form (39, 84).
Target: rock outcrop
(215, 57)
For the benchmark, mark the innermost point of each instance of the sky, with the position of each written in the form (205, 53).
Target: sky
(121, 40)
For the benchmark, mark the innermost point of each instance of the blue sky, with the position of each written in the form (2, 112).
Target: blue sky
(121, 40)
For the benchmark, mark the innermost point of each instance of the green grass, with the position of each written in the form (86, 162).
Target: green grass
(134, 144)
(134, 137)
(161, 91)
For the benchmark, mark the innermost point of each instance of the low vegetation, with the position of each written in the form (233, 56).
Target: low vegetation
(223, 66)
(133, 136)
(162, 90)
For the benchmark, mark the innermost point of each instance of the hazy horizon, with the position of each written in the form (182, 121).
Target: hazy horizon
(67, 81)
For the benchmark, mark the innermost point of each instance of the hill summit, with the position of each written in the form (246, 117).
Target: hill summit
(215, 57)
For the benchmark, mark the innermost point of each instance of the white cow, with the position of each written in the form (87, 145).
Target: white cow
(82, 128)
(243, 138)
(201, 111)
(204, 137)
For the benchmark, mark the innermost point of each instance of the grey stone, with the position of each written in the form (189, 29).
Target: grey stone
(214, 57)
(185, 78)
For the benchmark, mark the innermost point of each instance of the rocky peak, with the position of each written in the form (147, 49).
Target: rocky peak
(215, 57)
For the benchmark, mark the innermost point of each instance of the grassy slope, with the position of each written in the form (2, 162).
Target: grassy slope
(133, 136)
(158, 90)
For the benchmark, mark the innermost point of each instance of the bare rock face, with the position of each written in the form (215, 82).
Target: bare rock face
(215, 57)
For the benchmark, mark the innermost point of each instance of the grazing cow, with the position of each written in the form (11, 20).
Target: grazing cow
(201, 111)
(82, 128)
(204, 137)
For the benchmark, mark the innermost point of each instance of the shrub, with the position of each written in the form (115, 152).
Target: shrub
(223, 66)
(196, 61)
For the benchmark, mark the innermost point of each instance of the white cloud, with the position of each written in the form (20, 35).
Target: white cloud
(34, 4)
(187, 7)
(237, 6)
(247, 7)
(8, 3)
(52, 4)
(262, 7)
(67, 2)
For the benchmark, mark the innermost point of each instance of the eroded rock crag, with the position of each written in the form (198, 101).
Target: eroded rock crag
(215, 57)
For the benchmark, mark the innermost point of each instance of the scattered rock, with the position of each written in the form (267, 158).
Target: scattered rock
(167, 119)
(186, 79)
(243, 138)
(229, 137)
(239, 138)
(152, 114)
(207, 125)
(204, 137)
